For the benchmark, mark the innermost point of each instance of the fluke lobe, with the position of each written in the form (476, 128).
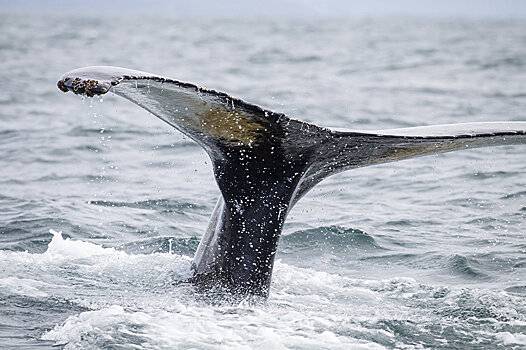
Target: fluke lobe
(264, 162)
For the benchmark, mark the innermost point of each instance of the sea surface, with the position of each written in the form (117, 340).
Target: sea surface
(102, 205)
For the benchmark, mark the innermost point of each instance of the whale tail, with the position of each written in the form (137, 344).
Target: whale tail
(264, 162)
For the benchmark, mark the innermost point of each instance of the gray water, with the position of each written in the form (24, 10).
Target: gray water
(424, 253)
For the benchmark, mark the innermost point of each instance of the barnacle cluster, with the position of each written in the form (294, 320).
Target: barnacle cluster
(88, 87)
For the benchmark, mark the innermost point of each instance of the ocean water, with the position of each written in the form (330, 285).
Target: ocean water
(102, 205)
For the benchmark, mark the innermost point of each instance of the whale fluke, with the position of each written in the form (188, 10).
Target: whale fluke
(264, 162)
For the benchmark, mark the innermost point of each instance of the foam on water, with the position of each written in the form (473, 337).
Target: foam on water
(61, 252)
(171, 323)
(66, 249)
(137, 310)
(235, 328)
(23, 286)
(508, 338)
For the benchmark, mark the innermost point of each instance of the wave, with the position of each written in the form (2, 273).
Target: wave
(87, 131)
(452, 266)
(328, 238)
(514, 195)
(395, 258)
(26, 233)
(517, 289)
(461, 265)
(498, 63)
(163, 205)
(492, 174)
(92, 265)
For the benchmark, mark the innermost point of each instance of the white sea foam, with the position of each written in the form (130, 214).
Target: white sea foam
(93, 258)
(133, 301)
(24, 286)
(216, 329)
(166, 320)
(92, 276)
(60, 248)
(508, 338)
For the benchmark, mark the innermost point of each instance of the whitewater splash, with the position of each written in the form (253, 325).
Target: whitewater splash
(60, 248)
(171, 322)
(120, 299)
